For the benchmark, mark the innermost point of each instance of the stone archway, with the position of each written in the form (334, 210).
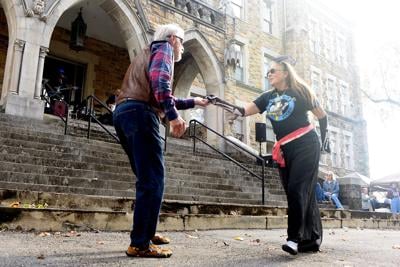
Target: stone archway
(200, 58)
(3, 47)
(122, 12)
(30, 46)
(114, 35)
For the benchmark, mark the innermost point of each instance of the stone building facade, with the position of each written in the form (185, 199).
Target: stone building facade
(228, 46)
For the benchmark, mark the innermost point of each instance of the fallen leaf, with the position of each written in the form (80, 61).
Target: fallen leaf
(15, 205)
(271, 248)
(226, 244)
(256, 240)
(43, 234)
(41, 257)
(238, 238)
(100, 242)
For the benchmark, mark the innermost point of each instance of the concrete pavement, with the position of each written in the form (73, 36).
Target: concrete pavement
(341, 247)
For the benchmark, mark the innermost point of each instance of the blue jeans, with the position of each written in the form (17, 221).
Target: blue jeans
(335, 200)
(395, 205)
(319, 192)
(137, 127)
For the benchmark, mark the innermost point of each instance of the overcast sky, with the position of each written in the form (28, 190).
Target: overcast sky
(376, 23)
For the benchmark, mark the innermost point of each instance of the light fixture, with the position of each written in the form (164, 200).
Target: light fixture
(78, 33)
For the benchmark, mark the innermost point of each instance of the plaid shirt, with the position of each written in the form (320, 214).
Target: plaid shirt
(161, 73)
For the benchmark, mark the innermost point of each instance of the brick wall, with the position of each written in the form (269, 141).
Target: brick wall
(111, 67)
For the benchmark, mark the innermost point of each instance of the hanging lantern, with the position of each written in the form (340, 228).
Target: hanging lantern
(78, 33)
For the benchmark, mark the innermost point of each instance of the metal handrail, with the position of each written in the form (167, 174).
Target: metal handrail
(47, 99)
(91, 115)
(260, 159)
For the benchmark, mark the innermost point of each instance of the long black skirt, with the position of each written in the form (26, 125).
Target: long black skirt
(299, 178)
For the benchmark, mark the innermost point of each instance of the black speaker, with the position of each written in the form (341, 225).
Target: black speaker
(261, 132)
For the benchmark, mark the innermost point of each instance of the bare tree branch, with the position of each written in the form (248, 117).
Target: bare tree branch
(382, 100)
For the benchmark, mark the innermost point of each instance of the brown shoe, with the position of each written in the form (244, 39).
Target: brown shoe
(160, 240)
(152, 251)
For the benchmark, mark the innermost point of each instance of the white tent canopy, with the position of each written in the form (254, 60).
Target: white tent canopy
(354, 178)
(387, 180)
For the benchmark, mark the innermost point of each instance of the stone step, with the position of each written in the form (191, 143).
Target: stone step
(113, 184)
(90, 202)
(102, 166)
(52, 161)
(174, 186)
(61, 143)
(171, 193)
(74, 155)
(50, 170)
(70, 175)
(60, 140)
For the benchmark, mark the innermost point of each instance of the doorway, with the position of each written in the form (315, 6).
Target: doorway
(67, 77)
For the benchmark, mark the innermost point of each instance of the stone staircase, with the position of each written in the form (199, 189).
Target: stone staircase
(36, 156)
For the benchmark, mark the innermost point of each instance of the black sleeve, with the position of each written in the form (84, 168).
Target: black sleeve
(262, 101)
(323, 127)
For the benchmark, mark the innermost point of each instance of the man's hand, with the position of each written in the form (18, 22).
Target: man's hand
(201, 101)
(177, 127)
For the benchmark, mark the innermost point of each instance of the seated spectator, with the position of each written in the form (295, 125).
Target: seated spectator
(111, 99)
(106, 118)
(331, 190)
(367, 202)
(394, 195)
(319, 193)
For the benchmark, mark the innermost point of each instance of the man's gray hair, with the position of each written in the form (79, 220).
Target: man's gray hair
(163, 32)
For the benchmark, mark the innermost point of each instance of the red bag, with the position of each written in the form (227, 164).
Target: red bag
(59, 108)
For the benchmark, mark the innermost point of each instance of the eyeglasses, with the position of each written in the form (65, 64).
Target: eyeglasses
(180, 38)
(272, 71)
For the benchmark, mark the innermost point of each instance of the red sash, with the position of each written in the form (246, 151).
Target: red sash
(277, 154)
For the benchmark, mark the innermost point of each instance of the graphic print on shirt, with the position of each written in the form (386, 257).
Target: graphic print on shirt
(280, 107)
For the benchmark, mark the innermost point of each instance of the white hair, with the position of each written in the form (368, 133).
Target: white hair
(163, 32)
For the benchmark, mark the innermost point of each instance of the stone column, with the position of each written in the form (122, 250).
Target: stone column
(20, 100)
(39, 76)
(19, 47)
(350, 192)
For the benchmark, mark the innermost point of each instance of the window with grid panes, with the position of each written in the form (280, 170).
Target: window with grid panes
(267, 62)
(267, 16)
(239, 71)
(237, 8)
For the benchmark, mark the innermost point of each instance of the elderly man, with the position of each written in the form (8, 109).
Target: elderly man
(146, 95)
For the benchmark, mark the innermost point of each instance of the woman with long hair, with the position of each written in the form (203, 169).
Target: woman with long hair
(297, 150)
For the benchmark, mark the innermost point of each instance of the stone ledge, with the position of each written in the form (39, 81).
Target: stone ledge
(87, 220)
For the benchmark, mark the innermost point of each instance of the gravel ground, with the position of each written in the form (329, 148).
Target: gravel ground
(341, 247)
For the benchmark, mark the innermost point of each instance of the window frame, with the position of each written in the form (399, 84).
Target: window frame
(267, 16)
